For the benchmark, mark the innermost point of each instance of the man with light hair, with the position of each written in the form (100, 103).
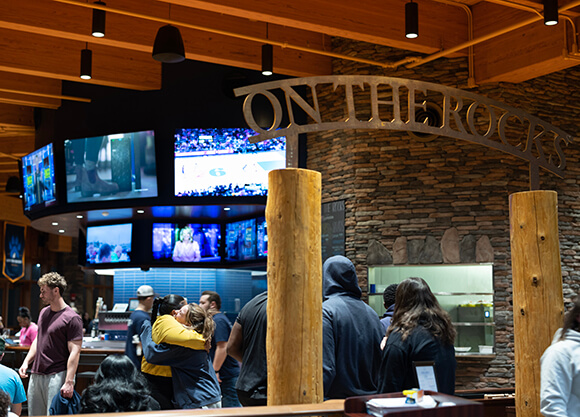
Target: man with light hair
(56, 350)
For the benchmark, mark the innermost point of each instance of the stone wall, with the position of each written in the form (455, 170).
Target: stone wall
(398, 186)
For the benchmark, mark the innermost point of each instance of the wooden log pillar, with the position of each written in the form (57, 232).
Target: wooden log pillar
(538, 304)
(294, 336)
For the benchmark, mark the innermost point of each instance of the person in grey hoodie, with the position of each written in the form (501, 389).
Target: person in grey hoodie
(352, 333)
(560, 369)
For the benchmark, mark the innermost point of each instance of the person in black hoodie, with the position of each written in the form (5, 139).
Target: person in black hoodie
(420, 331)
(352, 334)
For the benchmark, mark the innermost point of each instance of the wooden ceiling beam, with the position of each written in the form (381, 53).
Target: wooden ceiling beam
(30, 91)
(381, 23)
(532, 51)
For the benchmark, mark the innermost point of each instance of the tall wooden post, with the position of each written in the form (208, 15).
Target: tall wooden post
(294, 337)
(538, 305)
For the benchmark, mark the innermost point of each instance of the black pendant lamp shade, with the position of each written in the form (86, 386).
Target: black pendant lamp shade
(267, 59)
(411, 20)
(99, 17)
(168, 46)
(550, 12)
(86, 64)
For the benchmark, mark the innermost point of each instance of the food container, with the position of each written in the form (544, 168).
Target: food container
(459, 349)
(485, 349)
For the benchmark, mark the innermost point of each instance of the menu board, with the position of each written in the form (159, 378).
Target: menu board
(332, 229)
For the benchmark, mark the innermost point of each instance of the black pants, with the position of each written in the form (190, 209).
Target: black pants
(248, 399)
(161, 390)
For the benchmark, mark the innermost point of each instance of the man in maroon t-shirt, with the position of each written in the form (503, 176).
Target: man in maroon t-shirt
(56, 350)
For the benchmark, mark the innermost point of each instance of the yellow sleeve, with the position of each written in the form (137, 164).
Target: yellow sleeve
(168, 330)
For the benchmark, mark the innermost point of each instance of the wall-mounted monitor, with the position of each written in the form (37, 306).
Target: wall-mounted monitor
(241, 240)
(186, 242)
(223, 162)
(262, 237)
(38, 179)
(111, 167)
(109, 244)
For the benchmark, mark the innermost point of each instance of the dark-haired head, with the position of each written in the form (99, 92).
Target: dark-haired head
(166, 305)
(572, 319)
(389, 295)
(117, 367)
(415, 305)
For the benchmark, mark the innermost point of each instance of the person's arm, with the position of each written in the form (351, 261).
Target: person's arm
(169, 330)
(221, 352)
(556, 382)
(16, 408)
(74, 348)
(153, 353)
(328, 347)
(235, 347)
(29, 358)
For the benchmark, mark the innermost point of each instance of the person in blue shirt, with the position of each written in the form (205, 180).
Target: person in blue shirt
(146, 296)
(11, 384)
(226, 368)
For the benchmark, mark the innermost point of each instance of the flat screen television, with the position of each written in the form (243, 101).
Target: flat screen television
(109, 244)
(262, 237)
(111, 167)
(186, 242)
(223, 162)
(38, 179)
(241, 240)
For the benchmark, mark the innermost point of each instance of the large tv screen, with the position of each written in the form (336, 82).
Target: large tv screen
(223, 162)
(262, 237)
(38, 178)
(241, 240)
(111, 167)
(186, 242)
(109, 244)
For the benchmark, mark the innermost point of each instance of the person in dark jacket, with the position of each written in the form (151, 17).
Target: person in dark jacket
(352, 334)
(389, 303)
(420, 331)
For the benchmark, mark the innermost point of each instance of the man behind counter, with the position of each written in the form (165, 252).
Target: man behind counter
(146, 296)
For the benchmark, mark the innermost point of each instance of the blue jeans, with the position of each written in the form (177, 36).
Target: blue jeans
(229, 393)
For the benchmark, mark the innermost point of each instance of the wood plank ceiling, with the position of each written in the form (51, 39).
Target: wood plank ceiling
(41, 40)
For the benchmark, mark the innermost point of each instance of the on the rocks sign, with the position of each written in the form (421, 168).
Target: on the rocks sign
(394, 105)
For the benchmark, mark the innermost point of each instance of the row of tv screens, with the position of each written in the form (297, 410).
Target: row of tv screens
(207, 162)
(177, 243)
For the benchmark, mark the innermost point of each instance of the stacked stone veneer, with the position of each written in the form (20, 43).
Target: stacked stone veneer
(397, 186)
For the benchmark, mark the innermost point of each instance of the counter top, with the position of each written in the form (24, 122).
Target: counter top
(90, 345)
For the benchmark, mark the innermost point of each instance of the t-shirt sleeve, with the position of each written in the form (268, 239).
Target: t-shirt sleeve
(222, 330)
(75, 328)
(175, 334)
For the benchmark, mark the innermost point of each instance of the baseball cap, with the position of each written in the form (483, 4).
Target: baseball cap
(145, 291)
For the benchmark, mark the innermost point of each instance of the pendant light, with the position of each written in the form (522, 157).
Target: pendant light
(411, 20)
(86, 63)
(99, 17)
(267, 59)
(550, 12)
(168, 46)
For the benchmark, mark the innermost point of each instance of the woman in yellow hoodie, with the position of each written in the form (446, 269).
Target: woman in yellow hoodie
(167, 330)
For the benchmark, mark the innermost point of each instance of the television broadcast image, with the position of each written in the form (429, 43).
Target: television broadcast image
(109, 244)
(186, 242)
(223, 162)
(111, 167)
(241, 240)
(38, 178)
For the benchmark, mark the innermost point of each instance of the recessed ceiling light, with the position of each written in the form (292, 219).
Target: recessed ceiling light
(38, 265)
(105, 213)
(140, 211)
(61, 231)
(226, 208)
(79, 216)
(55, 223)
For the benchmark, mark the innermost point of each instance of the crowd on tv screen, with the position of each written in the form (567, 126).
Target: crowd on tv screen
(234, 140)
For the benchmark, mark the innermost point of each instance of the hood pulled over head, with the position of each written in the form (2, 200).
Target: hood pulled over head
(339, 277)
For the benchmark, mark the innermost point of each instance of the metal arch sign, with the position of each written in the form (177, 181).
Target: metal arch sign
(463, 115)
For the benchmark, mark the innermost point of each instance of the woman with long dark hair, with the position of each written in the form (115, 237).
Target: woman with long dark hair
(167, 330)
(420, 330)
(195, 383)
(118, 386)
(560, 373)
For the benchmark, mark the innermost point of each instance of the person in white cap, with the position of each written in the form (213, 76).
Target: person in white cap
(146, 296)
